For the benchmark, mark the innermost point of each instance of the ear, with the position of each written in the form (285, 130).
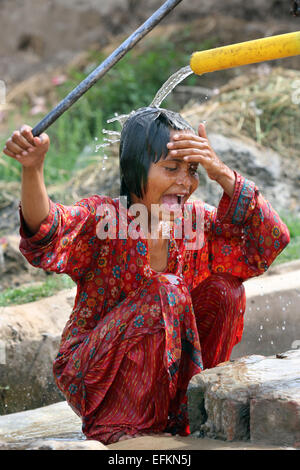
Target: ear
(202, 131)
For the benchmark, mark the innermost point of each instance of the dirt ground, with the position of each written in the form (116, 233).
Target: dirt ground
(50, 33)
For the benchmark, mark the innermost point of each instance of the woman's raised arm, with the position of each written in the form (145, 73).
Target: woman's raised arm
(30, 152)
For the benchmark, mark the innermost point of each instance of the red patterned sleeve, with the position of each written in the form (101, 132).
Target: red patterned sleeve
(246, 234)
(65, 239)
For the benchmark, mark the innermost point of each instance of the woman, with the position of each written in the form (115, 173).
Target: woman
(151, 310)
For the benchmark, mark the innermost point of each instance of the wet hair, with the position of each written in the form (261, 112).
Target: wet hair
(143, 141)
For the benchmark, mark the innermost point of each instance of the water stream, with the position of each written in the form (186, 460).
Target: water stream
(161, 95)
(170, 84)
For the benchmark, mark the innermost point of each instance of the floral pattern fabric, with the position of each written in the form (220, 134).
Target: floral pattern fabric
(123, 307)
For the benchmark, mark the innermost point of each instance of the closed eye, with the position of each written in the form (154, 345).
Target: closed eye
(168, 168)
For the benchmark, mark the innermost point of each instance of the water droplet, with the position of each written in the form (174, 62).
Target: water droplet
(120, 118)
(272, 342)
(109, 132)
(261, 327)
(96, 138)
(283, 327)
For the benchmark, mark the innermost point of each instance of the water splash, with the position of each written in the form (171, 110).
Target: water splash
(161, 95)
(121, 118)
(109, 132)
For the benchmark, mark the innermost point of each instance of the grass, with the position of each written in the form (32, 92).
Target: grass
(68, 137)
(22, 295)
(292, 251)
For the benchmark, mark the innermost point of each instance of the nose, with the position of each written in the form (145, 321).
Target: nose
(184, 178)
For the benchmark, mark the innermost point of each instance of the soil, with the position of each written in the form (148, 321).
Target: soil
(50, 33)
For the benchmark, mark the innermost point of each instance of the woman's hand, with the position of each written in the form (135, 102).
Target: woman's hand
(28, 150)
(197, 149)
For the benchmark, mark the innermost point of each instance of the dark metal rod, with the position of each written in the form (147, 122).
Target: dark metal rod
(104, 67)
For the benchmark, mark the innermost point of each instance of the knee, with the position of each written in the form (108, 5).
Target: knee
(230, 289)
(224, 281)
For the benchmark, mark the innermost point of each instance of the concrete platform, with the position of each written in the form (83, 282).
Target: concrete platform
(57, 427)
(187, 443)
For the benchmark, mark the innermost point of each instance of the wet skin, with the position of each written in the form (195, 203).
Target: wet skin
(177, 175)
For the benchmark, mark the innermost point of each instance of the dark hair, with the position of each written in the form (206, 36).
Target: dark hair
(143, 141)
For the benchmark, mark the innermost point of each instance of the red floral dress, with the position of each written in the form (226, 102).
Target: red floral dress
(131, 344)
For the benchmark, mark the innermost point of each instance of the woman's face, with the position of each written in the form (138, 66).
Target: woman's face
(171, 181)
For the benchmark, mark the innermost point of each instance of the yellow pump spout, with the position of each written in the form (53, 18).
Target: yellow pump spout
(245, 53)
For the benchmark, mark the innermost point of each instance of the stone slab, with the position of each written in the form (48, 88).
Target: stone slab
(57, 427)
(53, 421)
(65, 444)
(255, 397)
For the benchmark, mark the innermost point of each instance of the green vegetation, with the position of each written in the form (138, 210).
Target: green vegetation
(131, 84)
(22, 295)
(292, 251)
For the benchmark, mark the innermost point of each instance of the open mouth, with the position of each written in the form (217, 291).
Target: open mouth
(173, 200)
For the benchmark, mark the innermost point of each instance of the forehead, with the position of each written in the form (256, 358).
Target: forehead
(172, 133)
(183, 131)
